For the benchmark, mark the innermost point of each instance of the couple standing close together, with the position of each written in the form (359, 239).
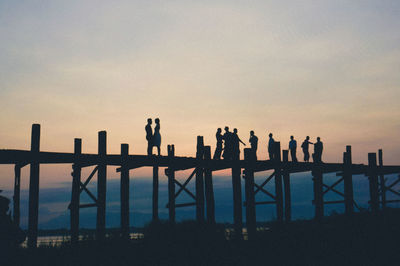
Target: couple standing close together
(153, 139)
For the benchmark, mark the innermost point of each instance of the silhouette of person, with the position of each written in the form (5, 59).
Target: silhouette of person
(218, 149)
(236, 144)
(228, 149)
(149, 137)
(157, 136)
(304, 146)
(293, 148)
(10, 234)
(253, 143)
(271, 147)
(318, 147)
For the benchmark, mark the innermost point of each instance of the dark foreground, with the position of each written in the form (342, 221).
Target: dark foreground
(365, 239)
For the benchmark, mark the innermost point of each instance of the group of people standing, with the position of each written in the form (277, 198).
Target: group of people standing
(153, 140)
(231, 150)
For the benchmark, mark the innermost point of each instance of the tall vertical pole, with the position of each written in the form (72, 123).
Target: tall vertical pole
(171, 184)
(199, 181)
(101, 186)
(348, 181)
(75, 201)
(373, 182)
(17, 194)
(382, 179)
(124, 191)
(278, 182)
(210, 203)
(155, 193)
(237, 199)
(34, 188)
(249, 158)
(286, 187)
(318, 191)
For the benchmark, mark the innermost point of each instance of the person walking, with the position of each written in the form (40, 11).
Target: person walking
(228, 149)
(305, 146)
(218, 149)
(253, 144)
(293, 148)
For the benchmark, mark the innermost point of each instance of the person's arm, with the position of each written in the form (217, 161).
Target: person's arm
(242, 142)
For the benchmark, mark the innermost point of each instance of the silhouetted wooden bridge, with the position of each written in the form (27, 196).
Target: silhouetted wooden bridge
(203, 196)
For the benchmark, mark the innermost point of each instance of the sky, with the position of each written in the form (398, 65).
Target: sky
(317, 68)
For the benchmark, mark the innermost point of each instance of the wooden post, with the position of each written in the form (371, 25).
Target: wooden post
(155, 193)
(209, 187)
(249, 157)
(286, 187)
(373, 182)
(278, 182)
(237, 199)
(101, 187)
(348, 181)
(199, 181)
(75, 195)
(34, 188)
(318, 191)
(382, 179)
(124, 191)
(17, 194)
(171, 184)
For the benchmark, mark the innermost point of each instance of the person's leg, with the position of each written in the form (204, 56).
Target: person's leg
(159, 150)
(149, 148)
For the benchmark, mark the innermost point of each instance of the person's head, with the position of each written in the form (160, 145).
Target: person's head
(235, 130)
(291, 137)
(270, 135)
(157, 121)
(318, 139)
(308, 137)
(252, 133)
(219, 130)
(4, 202)
(226, 129)
(149, 121)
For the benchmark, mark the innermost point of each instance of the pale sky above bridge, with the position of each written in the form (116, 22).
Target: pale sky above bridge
(318, 68)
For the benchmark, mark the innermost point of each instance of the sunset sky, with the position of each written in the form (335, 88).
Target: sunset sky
(317, 68)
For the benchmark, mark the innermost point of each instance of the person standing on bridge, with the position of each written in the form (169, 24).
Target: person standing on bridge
(157, 136)
(253, 144)
(293, 148)
(228, 149)
(271, 147)
(149, 137)
(318, 147)
(236, 144)
(305, 146)
(218, 149)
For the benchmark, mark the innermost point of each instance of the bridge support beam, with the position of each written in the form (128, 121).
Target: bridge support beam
(318, 191)
(348, 181)
(75, 194)
(101, 187)
(34, 188)
(200, 181)
(155, 193)
(209, 190)
(17, 194)
(286, 186)
(171, 184)
(278, 182)
(249, 157)
(373, 182)
(237, 200)
(124, 191)
(382, 180)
